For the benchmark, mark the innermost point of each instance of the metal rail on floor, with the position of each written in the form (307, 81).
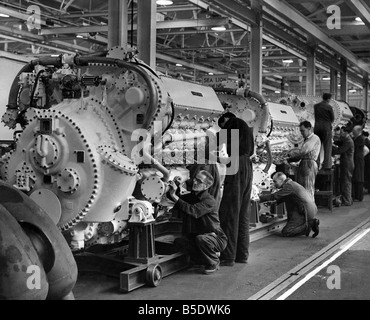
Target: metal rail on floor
(266, 230)
(134, 273)
(276, 288)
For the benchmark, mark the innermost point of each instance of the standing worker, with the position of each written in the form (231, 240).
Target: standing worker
(307, 155)
(367, 162)
(301, 209)
(346, 150)
(358, 173)
(324, 118)
(235, 204)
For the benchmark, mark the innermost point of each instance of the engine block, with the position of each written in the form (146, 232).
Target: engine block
(87, 121)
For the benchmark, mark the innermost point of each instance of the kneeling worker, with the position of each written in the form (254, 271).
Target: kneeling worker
(301, 208)
(203, 237)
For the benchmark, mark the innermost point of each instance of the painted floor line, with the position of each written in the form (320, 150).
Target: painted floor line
(292, 276)
(325, 264)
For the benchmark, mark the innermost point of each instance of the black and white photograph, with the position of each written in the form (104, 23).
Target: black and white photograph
(185, 157)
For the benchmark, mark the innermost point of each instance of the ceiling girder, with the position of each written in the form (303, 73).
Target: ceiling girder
(235, 13)
(299, 20)
(362, 10)
(183, 23)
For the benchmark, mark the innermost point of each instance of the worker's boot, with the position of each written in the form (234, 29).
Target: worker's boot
(315, 227)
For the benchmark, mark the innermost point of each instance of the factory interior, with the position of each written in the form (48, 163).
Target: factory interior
(105, 106)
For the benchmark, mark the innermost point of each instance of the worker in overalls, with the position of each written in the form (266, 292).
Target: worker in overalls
(324, 118)
(301, 209)
(359, 171)
(307, 155)
(345, 147)
(235, 204)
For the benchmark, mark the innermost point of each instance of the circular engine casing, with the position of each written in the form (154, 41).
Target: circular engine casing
(68, 160)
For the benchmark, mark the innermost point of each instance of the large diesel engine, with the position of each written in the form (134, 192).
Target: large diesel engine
(101, 137)
(275, 129)
(303, 107)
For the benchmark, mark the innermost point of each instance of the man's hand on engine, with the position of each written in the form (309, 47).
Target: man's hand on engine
(173, 189)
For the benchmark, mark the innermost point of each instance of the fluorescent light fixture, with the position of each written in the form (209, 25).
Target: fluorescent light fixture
(352, 91)
(164, 2)
(54, 55)
(287, 61)
(359, 21)
(219, 28)
(3, 15)
(326, 78)
(263, 48)
(178, 65)
(79, 36)
(211, 73)
(277, 91)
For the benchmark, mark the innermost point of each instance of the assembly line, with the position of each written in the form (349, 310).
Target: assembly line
(104, 154)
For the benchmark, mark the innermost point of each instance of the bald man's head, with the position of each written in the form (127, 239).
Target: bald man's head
(278, 179)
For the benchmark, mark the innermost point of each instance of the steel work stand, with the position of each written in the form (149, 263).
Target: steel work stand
(148, 259)
(325, 183)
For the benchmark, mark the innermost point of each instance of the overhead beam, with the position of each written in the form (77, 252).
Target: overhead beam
(15, 57)
(359, 30)
(241, 17)
(185, 63)
(91, 14)
(55, 48)
(288, 12)
(229, 9)
(271, 29)
(17, 14)
(30, 38)
(361, 9)
(239, 48)
(191, 32)
(176, 24)
(20, 33)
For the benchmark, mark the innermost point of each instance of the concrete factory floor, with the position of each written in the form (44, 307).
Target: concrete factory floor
(271, 258)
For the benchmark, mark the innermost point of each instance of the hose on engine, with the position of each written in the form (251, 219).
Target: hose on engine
(146, 67)
(172, 118)
(85, 60)
(14, 89)
(271, 128)
(32, 103)
(82, 61)
(264, 105)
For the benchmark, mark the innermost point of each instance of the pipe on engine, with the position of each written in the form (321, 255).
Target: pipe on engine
(158, 166)
(81, 61)
(13, 94)
(48, 242)
(265, 115)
